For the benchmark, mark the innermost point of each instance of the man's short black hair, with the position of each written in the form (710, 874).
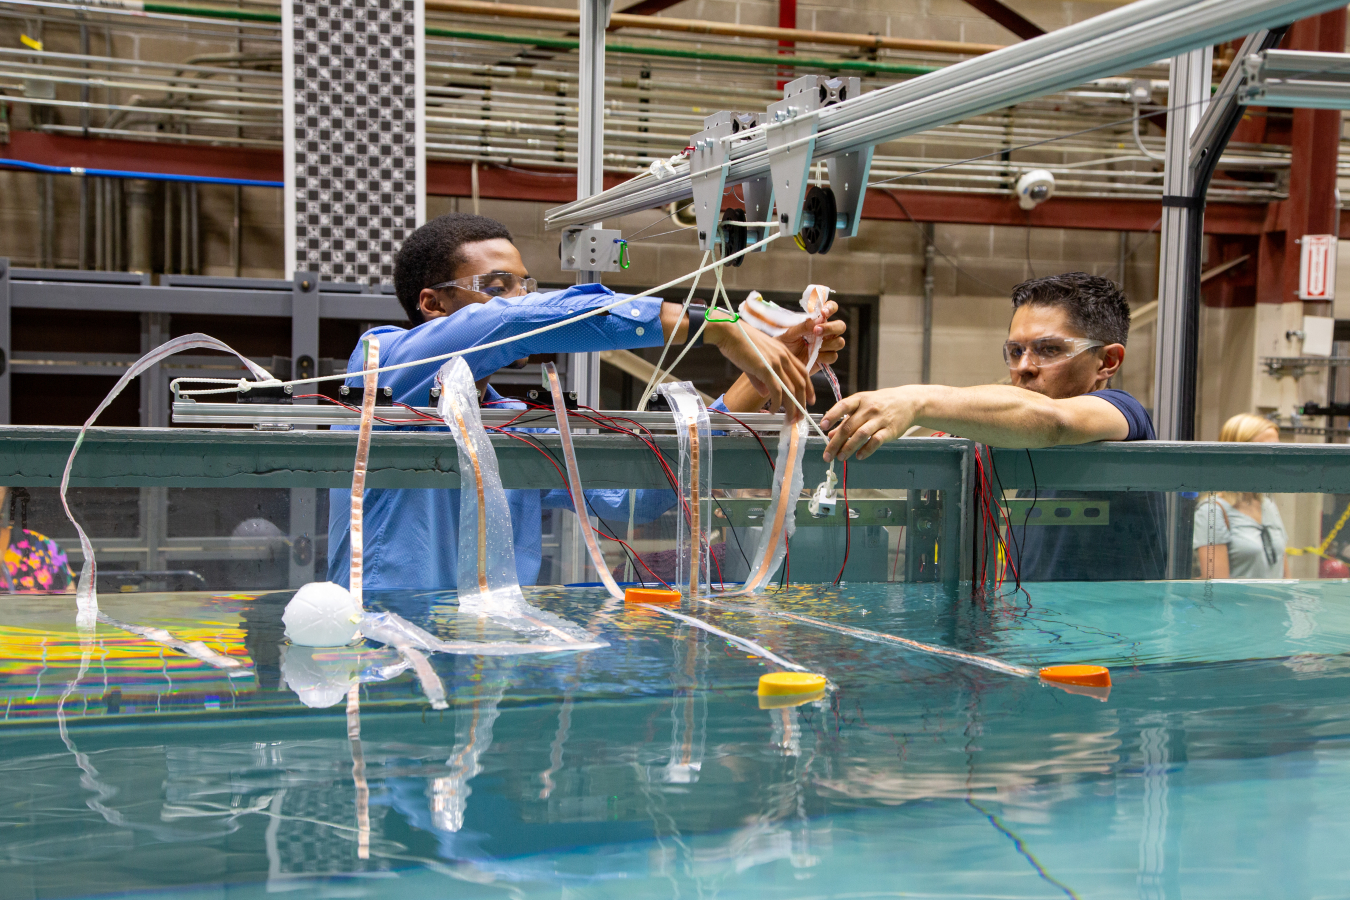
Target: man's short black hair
(432, 254)
(1096, 305)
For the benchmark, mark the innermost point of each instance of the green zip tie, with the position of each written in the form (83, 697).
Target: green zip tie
(708, 316)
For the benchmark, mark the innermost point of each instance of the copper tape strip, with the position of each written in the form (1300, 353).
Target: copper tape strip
(482, 499)
(372, 379)
(780, 515)
(695, 519)
(574, 482)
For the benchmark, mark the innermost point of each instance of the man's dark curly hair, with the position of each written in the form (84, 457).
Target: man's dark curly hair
(1096, 305)
(432, 254)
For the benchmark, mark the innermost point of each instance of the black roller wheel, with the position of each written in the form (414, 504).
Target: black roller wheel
(733, 236)
(818, 209)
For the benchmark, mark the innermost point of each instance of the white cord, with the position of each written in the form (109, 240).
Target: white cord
(627, 298)
(657, 375)
(690, 341)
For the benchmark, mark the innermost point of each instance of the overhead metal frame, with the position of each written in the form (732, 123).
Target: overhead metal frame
(1296, 78)
(583, 376)
(1116, 41)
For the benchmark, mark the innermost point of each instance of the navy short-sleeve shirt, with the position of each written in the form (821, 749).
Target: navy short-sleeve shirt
(1129, 548)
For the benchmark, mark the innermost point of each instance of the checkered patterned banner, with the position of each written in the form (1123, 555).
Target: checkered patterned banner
(355, 147)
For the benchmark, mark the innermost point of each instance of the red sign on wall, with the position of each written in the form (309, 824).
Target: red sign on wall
(1317, 267)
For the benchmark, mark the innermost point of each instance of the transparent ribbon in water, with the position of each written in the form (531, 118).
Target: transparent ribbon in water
(86, 594)
(692, 550)
(781, 520)
(487, 558)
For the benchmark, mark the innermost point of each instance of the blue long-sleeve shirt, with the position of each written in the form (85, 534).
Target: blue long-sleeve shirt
(411, 535)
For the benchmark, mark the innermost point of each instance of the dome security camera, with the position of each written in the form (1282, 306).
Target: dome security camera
(1034, 188)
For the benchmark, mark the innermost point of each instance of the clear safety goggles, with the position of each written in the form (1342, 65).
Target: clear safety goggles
(493, 284)
(1046, 351)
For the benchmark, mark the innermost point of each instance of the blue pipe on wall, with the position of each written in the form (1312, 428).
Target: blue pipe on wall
(147, 176)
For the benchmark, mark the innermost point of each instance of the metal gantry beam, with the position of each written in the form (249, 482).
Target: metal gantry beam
(1116, 41)
(584, 368)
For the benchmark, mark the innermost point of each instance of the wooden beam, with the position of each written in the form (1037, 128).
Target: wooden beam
(1008, 18)
(700, 26)
(648, 7)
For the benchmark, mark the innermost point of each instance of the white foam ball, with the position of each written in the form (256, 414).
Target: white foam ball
(321, 614)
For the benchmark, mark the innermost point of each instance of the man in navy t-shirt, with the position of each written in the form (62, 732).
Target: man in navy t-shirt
(1066, 341)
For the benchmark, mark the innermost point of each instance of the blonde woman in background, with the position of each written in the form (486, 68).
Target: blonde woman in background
(1240, 535)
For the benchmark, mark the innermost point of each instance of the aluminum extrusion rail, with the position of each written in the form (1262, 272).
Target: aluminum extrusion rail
(283, 415)
(1116, 41)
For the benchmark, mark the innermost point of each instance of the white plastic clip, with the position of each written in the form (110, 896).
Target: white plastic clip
(823, 501)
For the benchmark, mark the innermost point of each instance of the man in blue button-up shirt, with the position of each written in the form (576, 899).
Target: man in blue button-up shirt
(463, 283)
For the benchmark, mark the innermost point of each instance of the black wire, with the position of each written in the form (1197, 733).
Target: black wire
(734, 536)
(1012, 534)
(1035, 496)
(637, 566)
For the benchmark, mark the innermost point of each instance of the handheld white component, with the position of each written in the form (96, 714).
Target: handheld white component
(823, 501)
(322, 614)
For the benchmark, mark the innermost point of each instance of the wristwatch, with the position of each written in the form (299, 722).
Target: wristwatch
(695, 314)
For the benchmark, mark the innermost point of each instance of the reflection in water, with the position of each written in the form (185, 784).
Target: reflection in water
(688, 709)
(359, 773)
(662, 776)
(1153, 835)
(485, 681)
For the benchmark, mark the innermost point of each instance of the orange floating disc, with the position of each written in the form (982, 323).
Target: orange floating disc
(651, 595)
(1088, 676)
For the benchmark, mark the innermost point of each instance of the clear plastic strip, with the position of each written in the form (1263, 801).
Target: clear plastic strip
(432, 686)
(371, 364)
(86, 593)
(468, 444)
(574, 483)
(751, 646)
(392, 629)
(695, 484)
(195, 649)
(782, 518)
(879, 637)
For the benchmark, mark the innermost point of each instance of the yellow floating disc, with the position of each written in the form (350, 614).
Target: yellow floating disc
(1090, 676)
(783, 684)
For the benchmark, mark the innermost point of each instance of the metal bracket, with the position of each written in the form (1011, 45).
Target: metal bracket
(1048, 511)
(791, 138)
(591, 249)
(758, 207)
(708, 173)
(1295, 78)
(848, 180)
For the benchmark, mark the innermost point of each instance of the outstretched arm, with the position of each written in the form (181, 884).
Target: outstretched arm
(995, 414)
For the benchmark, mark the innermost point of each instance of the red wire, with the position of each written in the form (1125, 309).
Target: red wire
(597, 419)
(567, 486)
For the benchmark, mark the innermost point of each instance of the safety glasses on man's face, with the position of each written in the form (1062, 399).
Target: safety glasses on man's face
(493, 284)
(1046, 351)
